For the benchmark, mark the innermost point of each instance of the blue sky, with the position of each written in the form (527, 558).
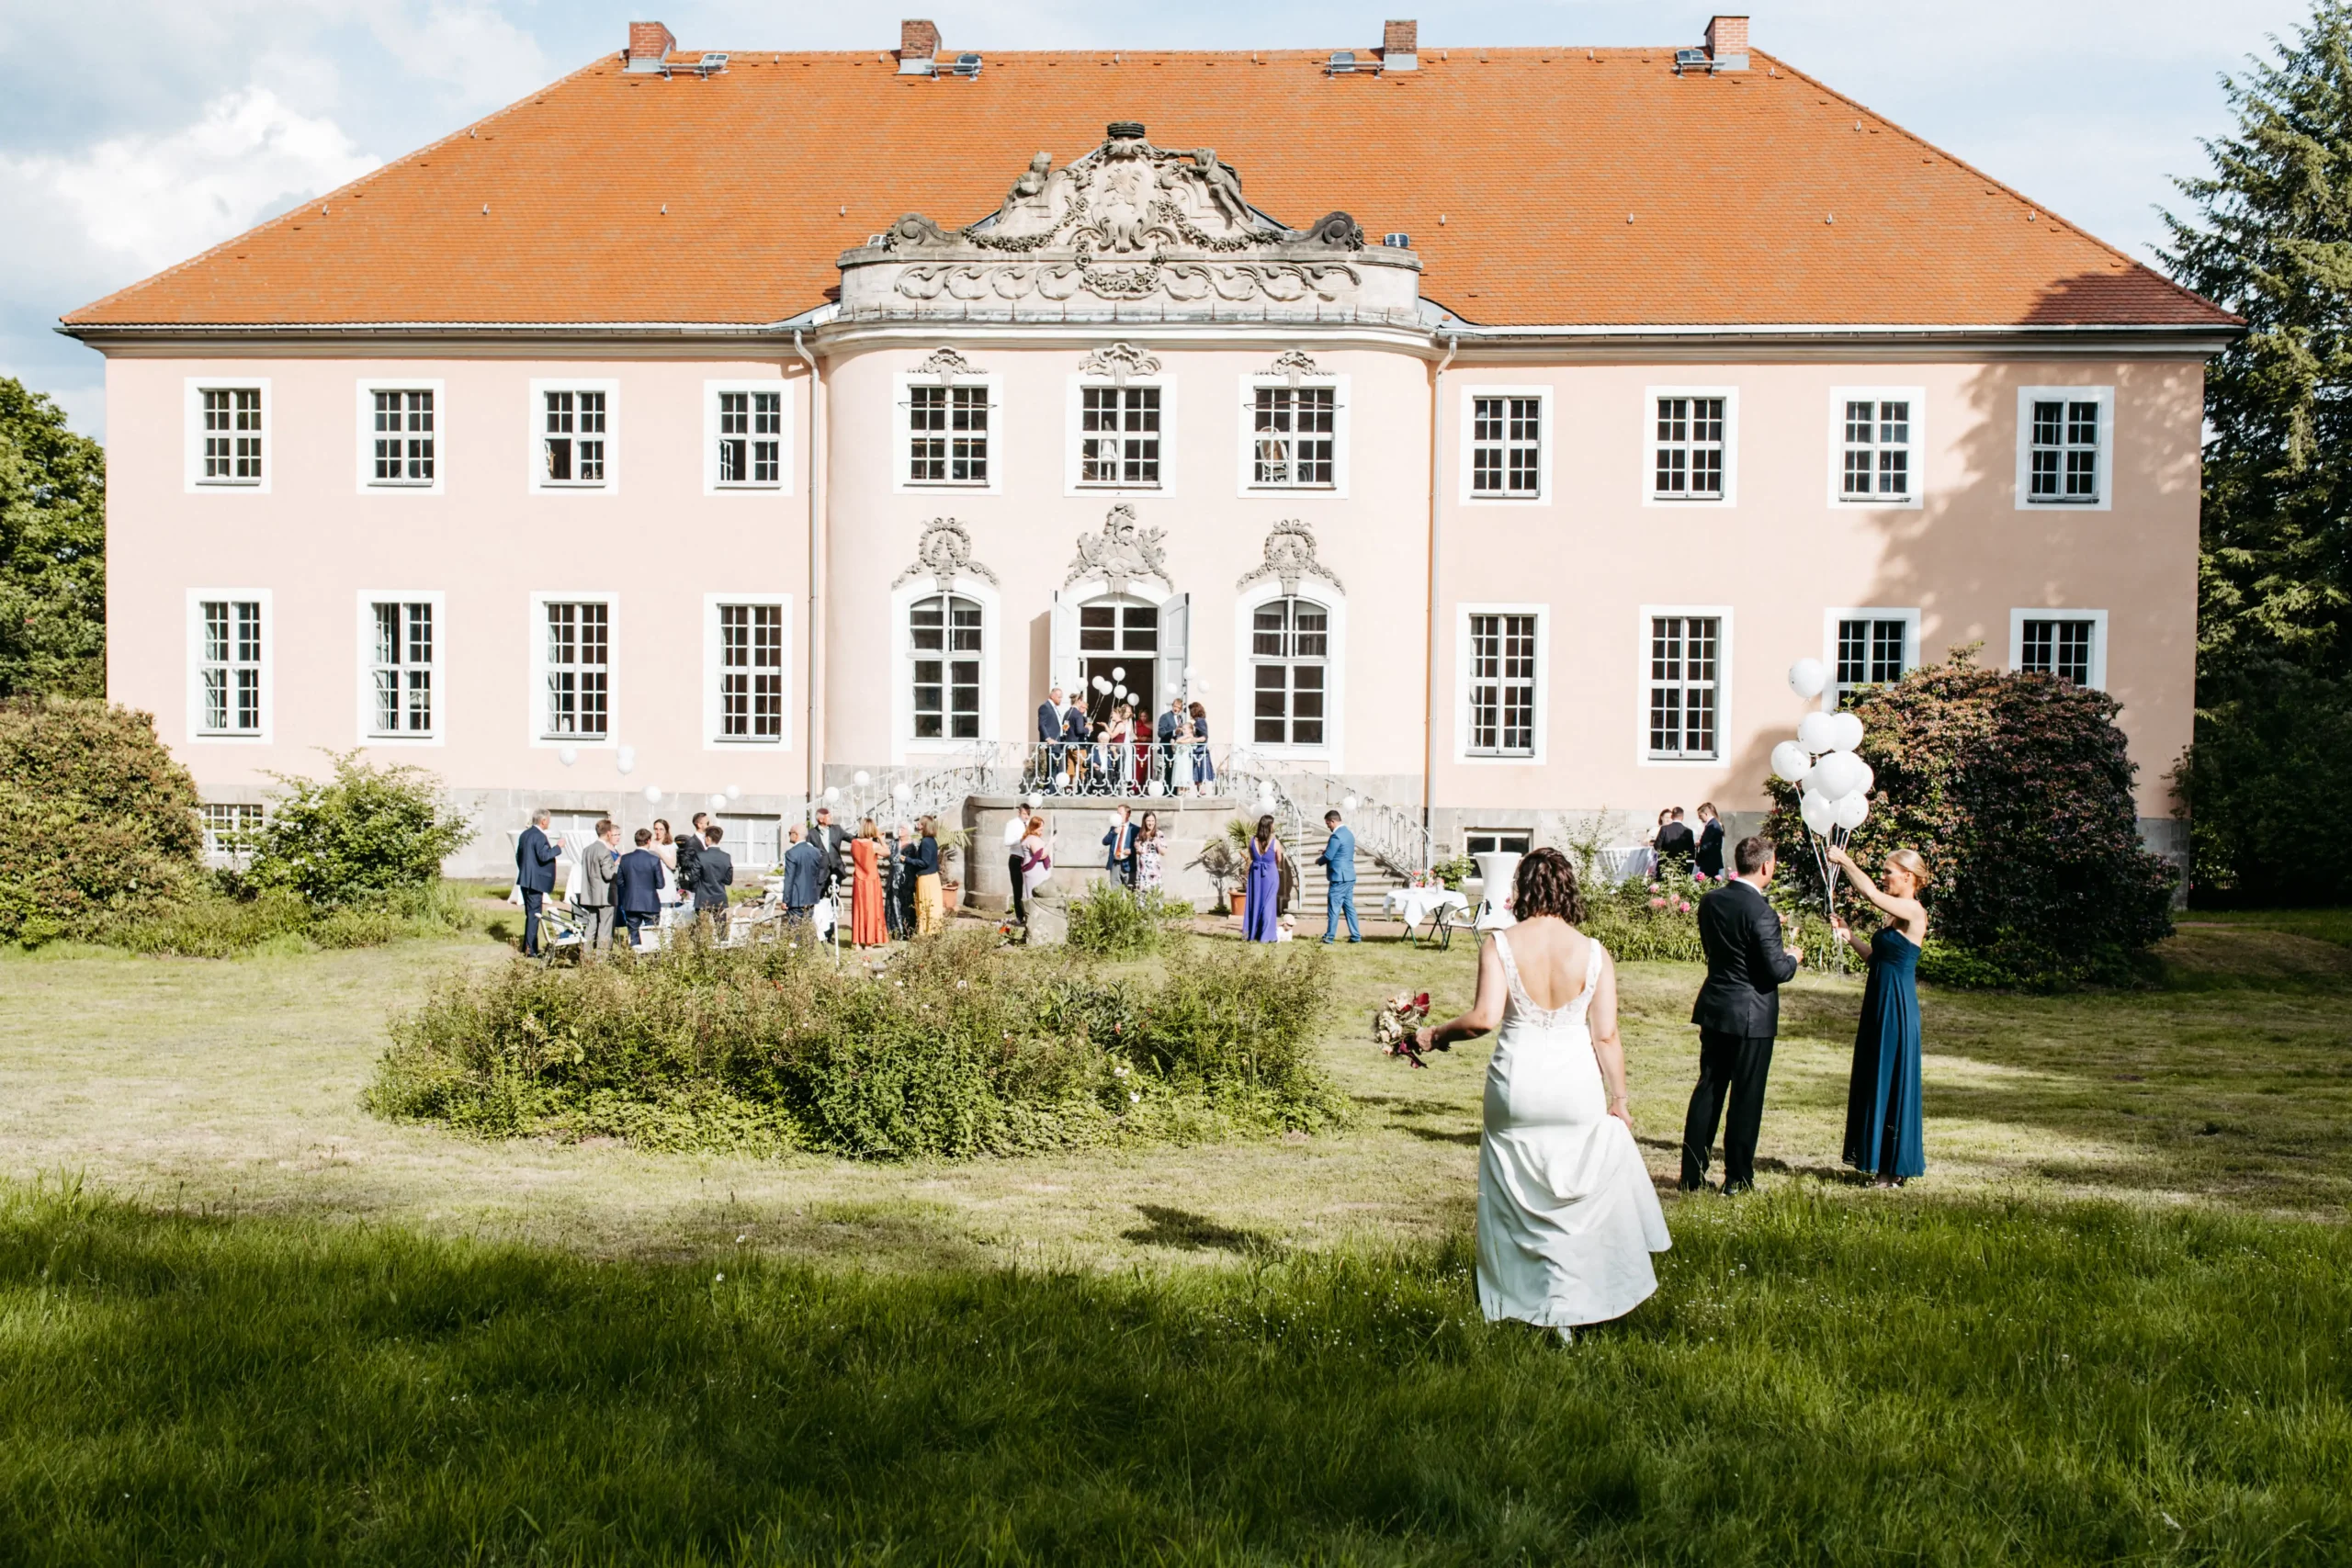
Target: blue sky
(136, 132)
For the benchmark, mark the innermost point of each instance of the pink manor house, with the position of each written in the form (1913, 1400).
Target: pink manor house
(1478, 434)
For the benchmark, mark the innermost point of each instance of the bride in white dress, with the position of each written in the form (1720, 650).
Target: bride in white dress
(1567, 1217)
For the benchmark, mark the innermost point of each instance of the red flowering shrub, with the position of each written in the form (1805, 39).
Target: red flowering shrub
(2018, 789)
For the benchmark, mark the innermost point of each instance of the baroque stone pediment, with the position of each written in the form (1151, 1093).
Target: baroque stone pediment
(1122, 552)
(1290, 557)
(1127, 222)
(944, 554)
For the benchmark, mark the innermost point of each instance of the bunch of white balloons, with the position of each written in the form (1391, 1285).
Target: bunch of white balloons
(1836, 784)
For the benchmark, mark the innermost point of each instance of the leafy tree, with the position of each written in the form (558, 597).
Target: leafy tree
(2273, 747)
(2269, 235)
(2018, 789)
(366, 832)
(97, 821)
(53, 550)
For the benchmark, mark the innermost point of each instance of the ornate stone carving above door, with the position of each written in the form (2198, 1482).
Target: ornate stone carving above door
(1129, 221)
(944, 552)
(1290, 557)
(947, 365)
(1122, 552)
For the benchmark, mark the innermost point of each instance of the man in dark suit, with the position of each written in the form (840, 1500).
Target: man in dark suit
(1709, 862)
(1674, 838)
(637, 882)
(713, 874)
(1737, 1012)
(829, 837)
(689, 846)
(1163, 761)
(1075, 732)
(1119, 844)
(535, 858)
(804, 875)
(1049, 739)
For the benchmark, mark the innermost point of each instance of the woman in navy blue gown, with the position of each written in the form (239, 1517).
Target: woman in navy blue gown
(1264, 886)
(1882, 1133)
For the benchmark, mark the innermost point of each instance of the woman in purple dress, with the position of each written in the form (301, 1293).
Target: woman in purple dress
(1265, 884)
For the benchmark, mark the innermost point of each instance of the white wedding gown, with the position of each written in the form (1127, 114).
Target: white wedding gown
(1568, 1218)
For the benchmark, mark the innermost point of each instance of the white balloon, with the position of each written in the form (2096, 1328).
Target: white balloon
(1819, 812)
(1155, 787)
(1790, 760)
(1815, 732)
(569, 755)
(1118, 672)
(652, 794)
(901, 794)
(861, 778)
(1188, 671)
(1807, 677)
(1036, 801)
(1101, 684)
(1850, 812)
(1846, 731)
(1347, 803)
(832, 793)
(717, 803)
(626, 764)
(734, 792)
(1120, 691)
(1836, 775)
(1869, 779)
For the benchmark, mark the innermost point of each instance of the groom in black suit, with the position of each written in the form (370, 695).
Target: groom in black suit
(1738, 1013)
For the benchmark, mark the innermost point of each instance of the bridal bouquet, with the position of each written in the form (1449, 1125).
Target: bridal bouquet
(1392, 1025)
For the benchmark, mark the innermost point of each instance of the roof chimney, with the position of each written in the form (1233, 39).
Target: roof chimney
(1727, 43)
(1399, 45)
(649, 44)
(918, 42)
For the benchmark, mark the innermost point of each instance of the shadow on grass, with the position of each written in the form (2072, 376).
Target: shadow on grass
(1188, 1232)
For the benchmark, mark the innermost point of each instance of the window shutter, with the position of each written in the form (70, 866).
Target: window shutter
(1064, 652)
(1175, 644)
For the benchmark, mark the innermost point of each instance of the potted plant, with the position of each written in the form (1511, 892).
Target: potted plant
(951, 845)
(1224, 864)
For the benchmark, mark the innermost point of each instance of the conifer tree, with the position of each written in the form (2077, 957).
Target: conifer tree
(2269, 235)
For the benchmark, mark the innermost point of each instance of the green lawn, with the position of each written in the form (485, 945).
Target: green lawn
(2110, 1324)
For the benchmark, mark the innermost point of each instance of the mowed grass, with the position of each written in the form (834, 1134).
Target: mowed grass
(1863, 1380)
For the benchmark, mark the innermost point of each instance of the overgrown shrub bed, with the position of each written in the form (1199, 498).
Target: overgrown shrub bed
(959, 1048)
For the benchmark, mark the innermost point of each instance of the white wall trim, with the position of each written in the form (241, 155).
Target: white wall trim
(364, 392)
(194, 644)
(904, 743)
(902, 385)
(787, 440)
(364, 655)
(2019, 618)
(535, 434)
(1917, 447)
(1246, 438)
(1462, 613)
(1725, 671)
(535, 636)
(1071, 434)
(1549, 444)
(1648, 445)
(2105, 397)
(1835, 614)
(192, 436)
(1333, 752)
(713, 710)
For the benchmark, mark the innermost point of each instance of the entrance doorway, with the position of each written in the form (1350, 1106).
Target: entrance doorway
(1118, 645)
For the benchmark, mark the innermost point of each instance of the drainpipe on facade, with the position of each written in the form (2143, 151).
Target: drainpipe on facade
(819, 559)
(1437, 528)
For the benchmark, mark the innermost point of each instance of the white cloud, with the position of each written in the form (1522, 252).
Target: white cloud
(157, 200)
(469, 46)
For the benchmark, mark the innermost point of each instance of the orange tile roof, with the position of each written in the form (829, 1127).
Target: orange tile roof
(1540, 185)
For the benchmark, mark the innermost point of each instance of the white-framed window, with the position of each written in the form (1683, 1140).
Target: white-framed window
(948, 432)
(575, 429)
(572, 669)
(1500, 651)
(1120, 434)
(2066, 447)
(1876, 442)
(1866, 646)
(229, 827)
(1693, 444)
(749, 642)
(753, 842)
(1686, 684)
(747, 436)
(1295, 437)
(2069, 643)
(402, 658)
(400, 425)
(230, 647)
(228, 433)
(1506, 443)
(944, 632)
(1290, 660)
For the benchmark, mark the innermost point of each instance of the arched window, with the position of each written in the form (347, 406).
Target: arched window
(943, 631)
(1290, 644)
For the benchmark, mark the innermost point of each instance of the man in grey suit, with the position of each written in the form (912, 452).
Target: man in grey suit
(593, 896)
(1737, 1012)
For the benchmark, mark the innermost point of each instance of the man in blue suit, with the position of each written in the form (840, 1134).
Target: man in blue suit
(1339, 858)
(637, 885)
(1120, 843)
(535, 859)
(804, 876)
(1049, 735)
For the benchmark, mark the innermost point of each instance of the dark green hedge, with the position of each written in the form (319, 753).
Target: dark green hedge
(97, 823)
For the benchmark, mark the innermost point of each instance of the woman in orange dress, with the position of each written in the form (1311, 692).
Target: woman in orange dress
(866, 924)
